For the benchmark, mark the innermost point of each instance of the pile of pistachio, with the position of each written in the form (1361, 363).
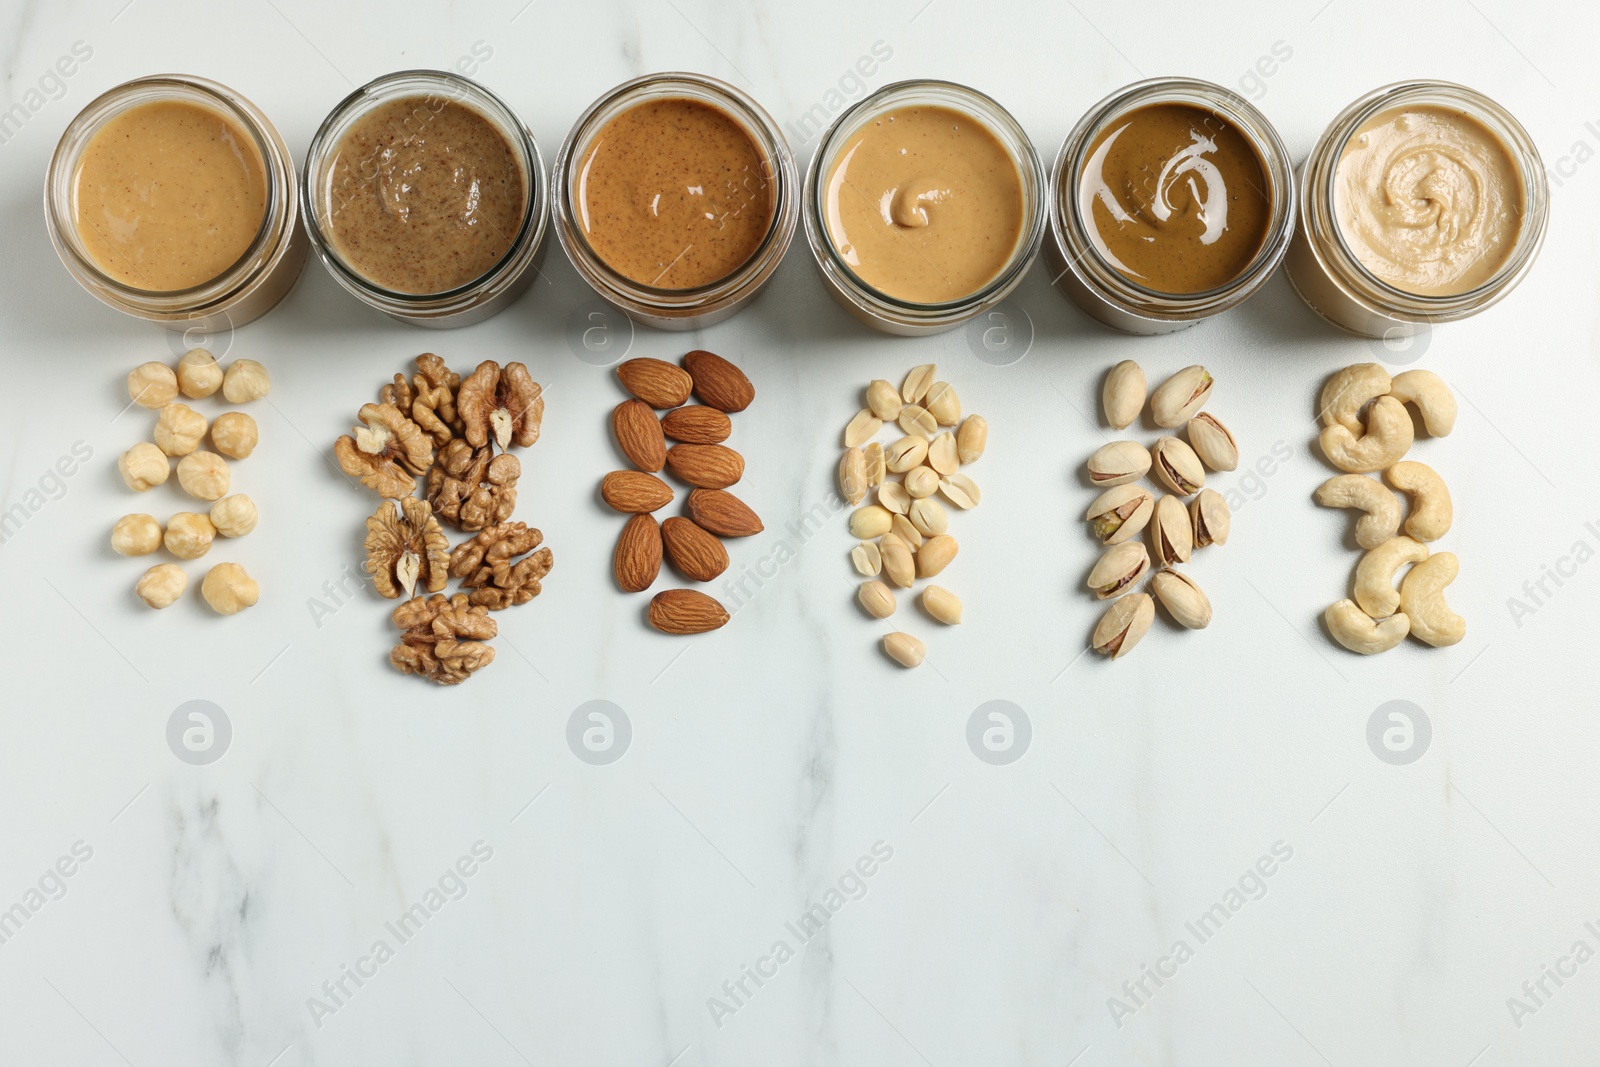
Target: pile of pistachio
(1187, 517)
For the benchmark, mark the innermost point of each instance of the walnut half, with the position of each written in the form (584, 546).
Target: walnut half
(405, 546)
(470, 488)
(488, 565)
(429, 397)
(504, 404)
(442, 640)
(386, 452)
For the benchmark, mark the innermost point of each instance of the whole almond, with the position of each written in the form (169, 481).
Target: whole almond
(638, 434)
(656, 382)
(698, 556)
(723, 514)
(637, 559)
(718, 382)
(635, 491)
(685, 611)
(706, 466)
(696, 424)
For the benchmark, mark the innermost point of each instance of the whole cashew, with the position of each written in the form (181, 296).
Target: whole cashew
(1375, 590)
(1430, 499)
(1360, 632)
(1348, 391)
(1388, 438)
(1422, 596)
(1432, 397)
(1382, 518)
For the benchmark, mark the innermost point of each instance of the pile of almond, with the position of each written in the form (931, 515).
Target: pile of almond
(699, 458)
(904, 535)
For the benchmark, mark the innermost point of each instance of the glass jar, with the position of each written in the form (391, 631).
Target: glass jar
(484, 296)
(1326, 273)
(255, 283)
(678, 309)
(1104, 292)
(876, 308)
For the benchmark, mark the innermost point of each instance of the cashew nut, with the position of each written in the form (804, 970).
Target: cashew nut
(1382, 518)
(1388, 438)
(1347, 392)
(1430, 499)
(1432, 397)
(1375, 590)
(1422, 596)
(1360, 632)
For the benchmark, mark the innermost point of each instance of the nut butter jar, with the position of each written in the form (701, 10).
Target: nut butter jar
(676, 196)
(1171, 201)
(924, 206)
(426, 199)
(1422, 202)
(173, 199)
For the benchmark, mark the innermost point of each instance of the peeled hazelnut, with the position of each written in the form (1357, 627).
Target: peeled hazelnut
(136, 535)
(162, 585)
(245, 381)
(189, 535)
(198, 374)
(179, 429)
(143, 467)
(152, 385)
(235, 435)
(204, 475)
(234, 516)
(228, 589)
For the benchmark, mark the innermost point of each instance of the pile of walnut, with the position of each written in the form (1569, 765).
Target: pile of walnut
(204, 475)
(455, 433)
(699, 457)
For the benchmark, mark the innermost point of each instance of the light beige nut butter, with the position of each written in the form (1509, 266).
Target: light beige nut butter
(924, 204)
(674, 194)
(425, 195)
(168, 195)
(1428, 200)
(1175, 198)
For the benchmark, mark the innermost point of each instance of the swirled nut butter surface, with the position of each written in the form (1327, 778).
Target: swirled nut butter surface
(424, 195)
(1174, 198)
(169, 195)
(925, 204)
(1428, 199)
(674, 194)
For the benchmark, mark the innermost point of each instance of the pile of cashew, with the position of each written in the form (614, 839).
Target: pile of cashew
(1366, 428)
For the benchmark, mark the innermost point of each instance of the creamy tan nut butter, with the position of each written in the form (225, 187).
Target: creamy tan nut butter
(925, 204)
(1428, 200)
(425, 195)
(168, 195)
(674, 194)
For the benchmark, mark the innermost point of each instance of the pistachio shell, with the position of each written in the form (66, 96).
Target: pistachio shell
(1183, 599)
(1177, 467)
(1119, 513)
(1123, 394)
(1213, 442)
(1125, 622)
(1119, 463)
(1118, 569)
(1181, 397)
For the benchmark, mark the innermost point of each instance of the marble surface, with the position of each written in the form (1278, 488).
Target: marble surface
(1199, 857)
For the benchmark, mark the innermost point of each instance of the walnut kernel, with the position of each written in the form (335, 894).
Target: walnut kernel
(198, 374)
(386, 452)
(235, 434)
(162, 585)
(485, 565)
(228, 589)
(189, 535)
(234, 516)
(204, 475)
(503, 404)
(179, 429)
(152, 385)
(136, 535)
(469, 488)
(245, 381)
(143, 467)
(405, 546)
(442, 640)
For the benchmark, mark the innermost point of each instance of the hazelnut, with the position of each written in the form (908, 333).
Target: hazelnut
(189, 535)
(162, 585)
(234, 516)
(152, 385)
(245, 381)
(198, 374)
(136, 535)
(179, 429)
(204, 475)
(143, 467)
(234, 434)
(228, 589)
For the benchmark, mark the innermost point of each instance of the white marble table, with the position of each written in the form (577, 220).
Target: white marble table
(1014, 913)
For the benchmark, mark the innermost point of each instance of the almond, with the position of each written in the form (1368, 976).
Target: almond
(696, 424)
(637, 560)
(723, 513)
(685, 611)
(718, 382)
(639, 435)
(635, 491)
(706, 466)
(697, 555)
(656, 382)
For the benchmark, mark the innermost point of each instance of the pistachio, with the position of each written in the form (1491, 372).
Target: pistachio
(1171, 534)
(959, 490)
(898, 563)
(1180, 397)
(942, 604)
(914, 418)
(877, 598)
(1213, 442)
(1177, 467)
(1119, 463)
(903, 528)
(943, 454)
(1118, 569)
(1123, 393)
(1208, 511)
(1125, 622)
(972, 439)
(917, 383)
(869, 522)
(883, 401)
(876, 468)
(1119, 513)
(893, 496)
(943, 403)
(867, 559)
(853, 476)
(863, 428)
(935, 555)
(904, 649)
(929, 517)
(1184, 600)
(906, 453)
(922, 482)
